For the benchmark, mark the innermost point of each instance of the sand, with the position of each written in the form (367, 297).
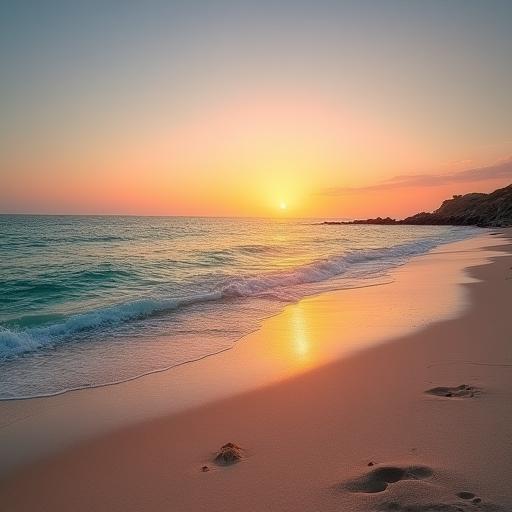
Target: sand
(422, 421)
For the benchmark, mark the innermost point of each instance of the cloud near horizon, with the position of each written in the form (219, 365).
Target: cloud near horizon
(500, 170)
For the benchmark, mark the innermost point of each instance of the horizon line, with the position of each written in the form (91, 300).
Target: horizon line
(26, 214)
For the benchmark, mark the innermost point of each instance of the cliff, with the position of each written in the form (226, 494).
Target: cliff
(484, 210)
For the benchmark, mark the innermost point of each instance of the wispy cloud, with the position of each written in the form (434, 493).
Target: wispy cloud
(501, 170)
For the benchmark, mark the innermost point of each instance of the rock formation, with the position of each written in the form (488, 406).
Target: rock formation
(484, 210)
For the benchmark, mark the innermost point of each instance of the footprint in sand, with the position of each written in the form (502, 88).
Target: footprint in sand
(462, 391)
(407, 499)
(437, 507)
(466, 495)
(378, 479)
(470, 502)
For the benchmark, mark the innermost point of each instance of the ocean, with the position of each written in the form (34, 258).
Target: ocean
(94, 300)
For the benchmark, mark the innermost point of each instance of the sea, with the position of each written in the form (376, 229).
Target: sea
(91, 301)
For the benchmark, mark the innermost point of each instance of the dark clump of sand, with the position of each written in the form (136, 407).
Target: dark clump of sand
(462, 391)
(230, 453)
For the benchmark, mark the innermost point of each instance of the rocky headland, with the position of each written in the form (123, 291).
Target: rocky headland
(475, 209)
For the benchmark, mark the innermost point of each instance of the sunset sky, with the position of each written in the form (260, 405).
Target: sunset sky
(291, 108)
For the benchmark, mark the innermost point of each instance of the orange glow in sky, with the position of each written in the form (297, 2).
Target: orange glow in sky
(299, 111)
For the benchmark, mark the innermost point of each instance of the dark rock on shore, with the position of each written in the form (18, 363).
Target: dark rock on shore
(378, 220)
(483, 210)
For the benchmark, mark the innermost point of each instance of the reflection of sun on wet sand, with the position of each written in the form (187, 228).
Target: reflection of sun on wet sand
(418, 424)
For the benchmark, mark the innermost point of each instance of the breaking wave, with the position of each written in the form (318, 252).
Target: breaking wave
(14, 342)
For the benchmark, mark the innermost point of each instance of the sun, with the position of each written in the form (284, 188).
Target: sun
(283, 205)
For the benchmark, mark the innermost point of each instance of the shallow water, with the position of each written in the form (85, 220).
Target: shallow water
(89, 301)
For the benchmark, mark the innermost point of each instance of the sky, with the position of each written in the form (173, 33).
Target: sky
(235, 108)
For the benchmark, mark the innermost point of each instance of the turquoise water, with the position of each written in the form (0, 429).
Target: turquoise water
(89, 301)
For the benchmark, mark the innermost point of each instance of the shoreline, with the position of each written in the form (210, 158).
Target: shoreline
(221, 418)
(191, 361)
(15, 364)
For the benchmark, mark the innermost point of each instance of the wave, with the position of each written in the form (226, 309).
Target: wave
(52, 241)
(104, 273)
(14, 343)
(77, 281)
(231, 255)
(258, 248)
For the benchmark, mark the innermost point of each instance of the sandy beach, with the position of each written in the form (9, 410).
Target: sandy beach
(394, 397)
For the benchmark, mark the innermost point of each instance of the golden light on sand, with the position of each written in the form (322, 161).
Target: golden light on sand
(299, 332)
